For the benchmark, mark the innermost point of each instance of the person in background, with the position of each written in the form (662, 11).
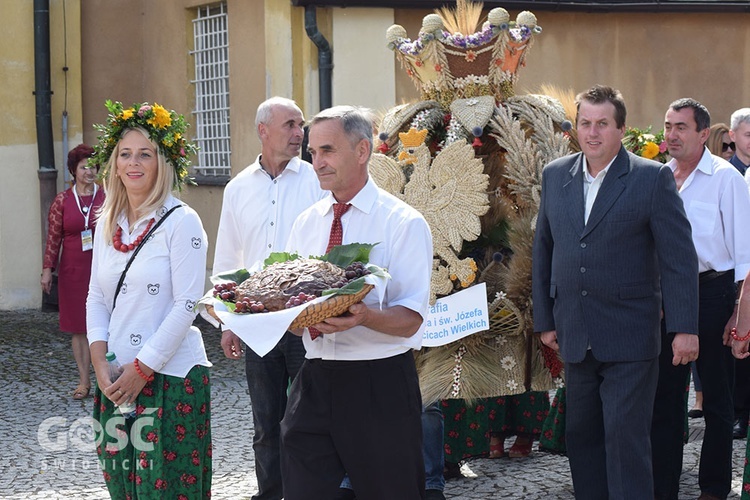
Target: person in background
(739, 340)
(612, 248)
(719, 142)
(739, 133)
(260, 205)
(717, 204)
(71, 225)
(149, 270)
(355, 406)
(739, 129)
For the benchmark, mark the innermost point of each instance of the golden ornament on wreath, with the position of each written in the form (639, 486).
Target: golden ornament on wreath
(289, 281)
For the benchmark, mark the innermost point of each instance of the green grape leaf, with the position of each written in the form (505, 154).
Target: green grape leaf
(343, 255)
(238, 276)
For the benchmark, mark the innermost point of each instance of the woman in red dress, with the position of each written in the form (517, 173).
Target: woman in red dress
(72, 218)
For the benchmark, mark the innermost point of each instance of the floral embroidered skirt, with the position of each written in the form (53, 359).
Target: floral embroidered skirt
(166, 447)
(468, 426)
(553, 430)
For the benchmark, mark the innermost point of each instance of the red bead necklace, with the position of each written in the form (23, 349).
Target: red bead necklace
(122, 247)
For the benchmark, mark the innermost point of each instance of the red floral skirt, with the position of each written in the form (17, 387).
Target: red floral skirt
(166, 447)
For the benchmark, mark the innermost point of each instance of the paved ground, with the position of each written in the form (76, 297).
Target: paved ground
(53, 459)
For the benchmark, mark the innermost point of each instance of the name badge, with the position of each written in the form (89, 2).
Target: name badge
(87, 240)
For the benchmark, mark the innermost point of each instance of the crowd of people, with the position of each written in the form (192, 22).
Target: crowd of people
(638, 273)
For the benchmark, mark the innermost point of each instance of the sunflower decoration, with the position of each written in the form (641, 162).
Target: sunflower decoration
(165, 127)
(646, 144)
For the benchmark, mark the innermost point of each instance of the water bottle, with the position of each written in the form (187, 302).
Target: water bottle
(115, 370)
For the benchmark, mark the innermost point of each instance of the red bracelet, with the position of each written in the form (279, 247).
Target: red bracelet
(140, 372)
(739, 339)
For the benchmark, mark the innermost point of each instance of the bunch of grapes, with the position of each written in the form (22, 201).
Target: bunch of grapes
(247, 305)
(356, 270)
(299, 299)
(225, 291)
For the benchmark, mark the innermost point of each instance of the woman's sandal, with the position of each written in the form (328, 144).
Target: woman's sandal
(497, 447)
(81, 392)
(521, 448)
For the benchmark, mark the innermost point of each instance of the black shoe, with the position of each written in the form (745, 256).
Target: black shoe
(434, 495)
(452, 470)
(345, 494)
(740, 429)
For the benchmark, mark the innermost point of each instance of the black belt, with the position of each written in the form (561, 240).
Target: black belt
(710, 275)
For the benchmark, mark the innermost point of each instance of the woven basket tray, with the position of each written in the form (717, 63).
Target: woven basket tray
(335, 306)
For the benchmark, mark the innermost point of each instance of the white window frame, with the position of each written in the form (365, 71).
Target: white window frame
(211, 83)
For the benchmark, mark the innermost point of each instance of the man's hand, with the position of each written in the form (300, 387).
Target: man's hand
(231, 345)
(356, 315)
(684, 348)
(549, 338)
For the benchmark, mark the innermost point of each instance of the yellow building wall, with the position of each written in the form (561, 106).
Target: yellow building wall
(21, 234)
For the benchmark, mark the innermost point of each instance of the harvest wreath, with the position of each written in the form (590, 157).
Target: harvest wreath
(288, 281)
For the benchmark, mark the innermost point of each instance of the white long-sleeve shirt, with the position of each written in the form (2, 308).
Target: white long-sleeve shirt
(156, 306)
(404, 248)
(258, 212)
(717, 204)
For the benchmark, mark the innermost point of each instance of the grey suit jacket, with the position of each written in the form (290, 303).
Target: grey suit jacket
(601, 285)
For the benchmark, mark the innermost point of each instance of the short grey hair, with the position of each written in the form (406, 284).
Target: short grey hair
(739, 117)
(356, 122)
(265, 109)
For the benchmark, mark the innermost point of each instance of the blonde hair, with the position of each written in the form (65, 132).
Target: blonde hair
(116, 201)
(715, 139)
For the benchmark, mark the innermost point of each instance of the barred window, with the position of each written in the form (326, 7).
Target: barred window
(211, 82)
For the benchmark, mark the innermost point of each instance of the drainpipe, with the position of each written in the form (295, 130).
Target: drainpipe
(42, 90)
(325, 57)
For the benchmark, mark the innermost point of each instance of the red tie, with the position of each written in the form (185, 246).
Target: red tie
(337, 233)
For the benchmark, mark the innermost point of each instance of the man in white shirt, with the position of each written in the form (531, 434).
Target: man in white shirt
(355, 405)
(260, 205)
(717, 204)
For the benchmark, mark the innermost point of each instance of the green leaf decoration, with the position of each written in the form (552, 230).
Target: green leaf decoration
(276, 257)
(238, 276)
(343, 255)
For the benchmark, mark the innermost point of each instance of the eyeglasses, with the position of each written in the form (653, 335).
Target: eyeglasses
(725, 147)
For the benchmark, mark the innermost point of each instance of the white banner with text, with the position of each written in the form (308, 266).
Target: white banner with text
(456, 316)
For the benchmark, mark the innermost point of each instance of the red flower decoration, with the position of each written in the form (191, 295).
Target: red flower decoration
(160, 484)
(470, 56)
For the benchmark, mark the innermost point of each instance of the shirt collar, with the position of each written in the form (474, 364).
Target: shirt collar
(705, 164)
(292, 166)
(587, 177)
(363, 201)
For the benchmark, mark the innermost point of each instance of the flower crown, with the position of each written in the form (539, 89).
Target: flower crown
(165, 127)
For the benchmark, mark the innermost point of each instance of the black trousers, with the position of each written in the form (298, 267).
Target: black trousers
(716, 371)
(358, 417)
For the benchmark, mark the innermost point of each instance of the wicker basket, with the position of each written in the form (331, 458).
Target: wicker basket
(315, 313)
(335, 306)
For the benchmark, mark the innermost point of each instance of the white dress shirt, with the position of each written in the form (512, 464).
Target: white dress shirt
(591, 186)
(404, 248)
(717, 203)
(258, 213)
(156, 306)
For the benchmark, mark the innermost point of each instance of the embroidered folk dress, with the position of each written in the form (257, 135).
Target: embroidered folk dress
(66, 221)
(167, 446)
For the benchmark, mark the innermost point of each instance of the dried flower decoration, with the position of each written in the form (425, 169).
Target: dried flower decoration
(165, 127)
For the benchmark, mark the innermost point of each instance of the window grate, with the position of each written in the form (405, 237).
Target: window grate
(211, 56)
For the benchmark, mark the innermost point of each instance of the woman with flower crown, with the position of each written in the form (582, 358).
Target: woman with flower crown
(148, 272)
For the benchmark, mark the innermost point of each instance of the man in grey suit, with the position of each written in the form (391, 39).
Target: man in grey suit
(611, 236)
